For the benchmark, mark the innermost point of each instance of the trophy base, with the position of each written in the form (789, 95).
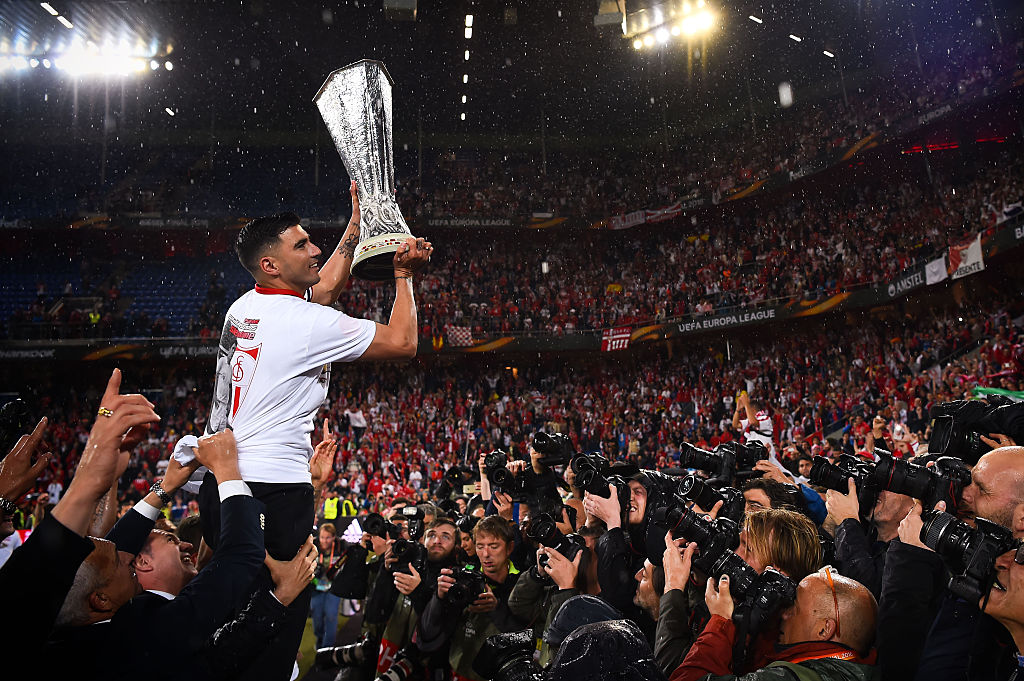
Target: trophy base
(374, 257)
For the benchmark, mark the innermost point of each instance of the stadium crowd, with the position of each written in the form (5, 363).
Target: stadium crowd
(770, 253)
(453, 584)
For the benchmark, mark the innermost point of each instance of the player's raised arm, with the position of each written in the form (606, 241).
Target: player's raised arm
(398, 339)
(335, 272)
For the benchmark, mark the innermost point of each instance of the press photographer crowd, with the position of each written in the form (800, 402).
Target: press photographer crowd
(752, 548)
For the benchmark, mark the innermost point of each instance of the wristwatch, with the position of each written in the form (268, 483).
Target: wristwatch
(158, 490)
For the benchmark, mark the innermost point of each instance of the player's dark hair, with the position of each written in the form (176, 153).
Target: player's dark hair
(258, 236)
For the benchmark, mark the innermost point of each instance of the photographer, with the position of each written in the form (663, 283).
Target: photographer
(783, 539)
(620, 551)
(408, 590)
(1005, 601)
(464, 626)
(925, 630)
(542, 590)
(826, 634)
(324, 605)
(859, 552)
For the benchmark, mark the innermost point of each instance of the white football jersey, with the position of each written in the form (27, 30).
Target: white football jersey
(273, 369)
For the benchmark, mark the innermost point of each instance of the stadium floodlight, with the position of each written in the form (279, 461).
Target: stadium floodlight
(795, 38)
(169, 66)
(756, 20)
(154, 64)
(463, 99)
(46, 64)
(661, 36)
(463, 116)
(465, 77)
(170, 111)
(705, 20)
(67, 24)
(467, 55)
(49, 8)
(469, 21)
(677, 29)
(828, 54)
(648, 40)
(33, 62)
(637, 44)
(469, 32)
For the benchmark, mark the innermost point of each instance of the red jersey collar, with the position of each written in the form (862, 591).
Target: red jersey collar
(277, 291)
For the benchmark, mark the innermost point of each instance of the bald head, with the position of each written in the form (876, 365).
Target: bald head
(996, 491)
(814, 616)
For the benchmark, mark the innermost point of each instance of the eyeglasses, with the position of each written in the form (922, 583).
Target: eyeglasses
(827, 571)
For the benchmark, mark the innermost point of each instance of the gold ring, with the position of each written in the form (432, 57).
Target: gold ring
(103, 411)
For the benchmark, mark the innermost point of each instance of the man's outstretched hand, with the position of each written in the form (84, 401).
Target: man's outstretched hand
(105, 457)
(17, 471)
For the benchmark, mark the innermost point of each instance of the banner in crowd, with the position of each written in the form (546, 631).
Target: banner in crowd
(965, 258)
(459, 336)
(616, 339)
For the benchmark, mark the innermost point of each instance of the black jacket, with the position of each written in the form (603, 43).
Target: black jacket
(34, 582)
(912, 583)
(206, 603)
(232, 647)
(859, 556)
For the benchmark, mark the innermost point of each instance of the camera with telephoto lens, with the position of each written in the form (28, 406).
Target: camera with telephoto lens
(466, 523)
(352, 655)
(508, 657)
(404, 666)
(945, 482)
(728, 461)
(376, 525)
(505, 481)
(543, 530)
(834, 476)
(756, 595)
(590, 471)
(469, 585)
(693, 489)
(14, 422)
(408, 552)
(957, 426)
(969, 553)
(555, 448)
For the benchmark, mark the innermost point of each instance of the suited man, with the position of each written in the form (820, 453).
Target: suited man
(178, 601)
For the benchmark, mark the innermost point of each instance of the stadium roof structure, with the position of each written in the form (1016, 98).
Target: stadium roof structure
(256, 64)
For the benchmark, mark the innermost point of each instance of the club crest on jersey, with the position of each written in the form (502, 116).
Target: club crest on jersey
(243, 367)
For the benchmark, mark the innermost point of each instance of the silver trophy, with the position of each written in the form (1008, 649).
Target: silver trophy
(355, 103)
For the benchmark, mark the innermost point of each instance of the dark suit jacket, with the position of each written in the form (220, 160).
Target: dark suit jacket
(83, 652)
(163, 636)
(34, 582)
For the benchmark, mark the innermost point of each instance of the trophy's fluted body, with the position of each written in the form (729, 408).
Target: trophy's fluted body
(355, 103)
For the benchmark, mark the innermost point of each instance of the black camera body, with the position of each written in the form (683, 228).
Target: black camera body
(378, 526)
(408, 552)
(469, 585)
(705, 496)
(450, 483)
(833, 476)
(714, 537)
(593, 475)
(555, 448)
(957, 426)
(945, 482)
(14, 421)
(543, 530)
(969, 553)
(505, 481)
(727, 462)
